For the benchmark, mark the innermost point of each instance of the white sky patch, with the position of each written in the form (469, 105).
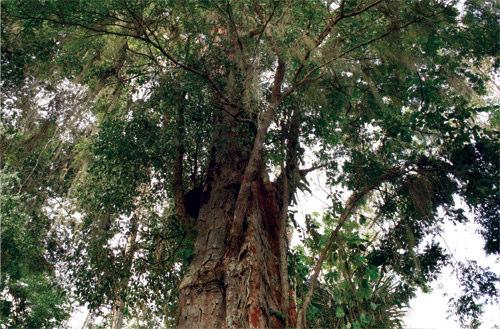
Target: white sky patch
(267, 77)
(143, 92)
(334, 5)
(431, 310)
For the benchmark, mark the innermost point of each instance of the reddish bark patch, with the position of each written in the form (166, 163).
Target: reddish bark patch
(255, 315)
(276, 322)
(292, 310)
(268, 205)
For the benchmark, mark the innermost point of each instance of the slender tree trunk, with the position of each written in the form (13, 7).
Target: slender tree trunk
(283, 248)
(119, 304)
(89, 321)
(117, 319)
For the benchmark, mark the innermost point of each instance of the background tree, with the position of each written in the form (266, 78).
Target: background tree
(34, 170)
(201, 115)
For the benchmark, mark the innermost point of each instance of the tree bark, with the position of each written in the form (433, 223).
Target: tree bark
(223, 290)
(117, 318)
(233, 287)
(283, 250)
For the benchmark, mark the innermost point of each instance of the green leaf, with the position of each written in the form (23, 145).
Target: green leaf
(339, 312)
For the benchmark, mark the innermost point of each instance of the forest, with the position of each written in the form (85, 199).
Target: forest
(155, 156)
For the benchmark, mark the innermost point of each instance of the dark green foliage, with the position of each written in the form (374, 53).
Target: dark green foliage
(101, 97)
(30, 296)
(356, 293)
(122, 156)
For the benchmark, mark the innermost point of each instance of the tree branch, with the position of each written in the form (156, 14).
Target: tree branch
(351, 204)
(326, 31)
(146, 38)
(307, 77)
(178, 173)
(256, 156)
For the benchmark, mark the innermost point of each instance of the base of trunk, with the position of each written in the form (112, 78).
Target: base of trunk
(234, 288)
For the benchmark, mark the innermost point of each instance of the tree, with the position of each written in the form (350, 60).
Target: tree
(200, 102)
(32, 161)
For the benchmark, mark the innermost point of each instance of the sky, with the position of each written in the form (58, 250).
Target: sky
(429, 311)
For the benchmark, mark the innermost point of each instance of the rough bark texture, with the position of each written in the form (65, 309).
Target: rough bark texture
(224, 289)
(238, 288)
(283, 248)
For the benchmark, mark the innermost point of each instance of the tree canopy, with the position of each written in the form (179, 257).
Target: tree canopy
(121, 118)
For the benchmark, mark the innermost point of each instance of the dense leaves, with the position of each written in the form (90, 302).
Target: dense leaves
(31, 298)
(113, 113)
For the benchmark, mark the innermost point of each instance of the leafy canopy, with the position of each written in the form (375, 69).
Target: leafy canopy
(101, 97)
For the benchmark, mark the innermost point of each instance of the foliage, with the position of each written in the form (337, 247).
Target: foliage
(361, 289)
(31, 298)
(479, 288)
(108, 105)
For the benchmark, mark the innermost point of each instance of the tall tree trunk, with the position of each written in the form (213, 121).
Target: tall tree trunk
(233, 288)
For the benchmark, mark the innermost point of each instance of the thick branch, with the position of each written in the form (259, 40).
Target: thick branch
(256, 155)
